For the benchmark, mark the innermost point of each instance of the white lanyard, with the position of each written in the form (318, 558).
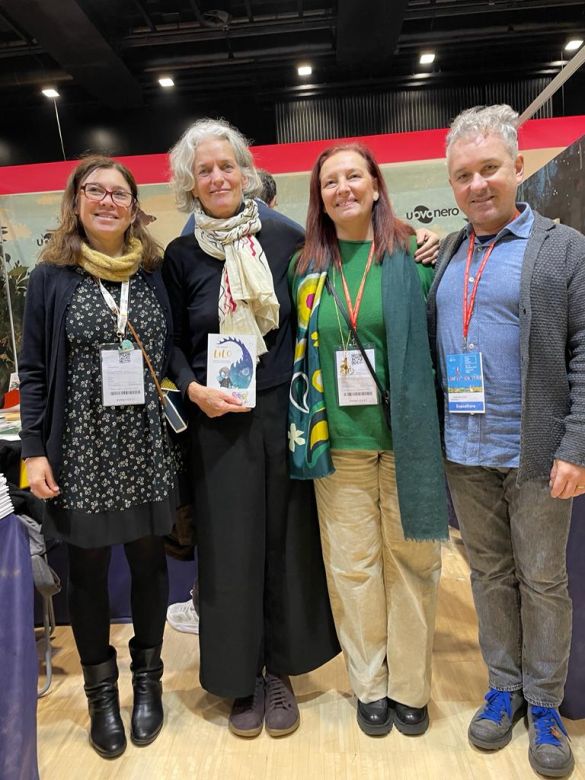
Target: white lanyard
(121, 311)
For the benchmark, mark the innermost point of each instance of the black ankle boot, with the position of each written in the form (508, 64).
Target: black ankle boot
(106, 733)
(147, 712)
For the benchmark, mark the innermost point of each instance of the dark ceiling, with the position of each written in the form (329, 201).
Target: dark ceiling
(111, 52)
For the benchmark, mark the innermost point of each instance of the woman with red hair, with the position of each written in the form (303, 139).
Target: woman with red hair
(369, 434)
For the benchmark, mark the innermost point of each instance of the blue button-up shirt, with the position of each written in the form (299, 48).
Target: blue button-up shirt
(493, 438)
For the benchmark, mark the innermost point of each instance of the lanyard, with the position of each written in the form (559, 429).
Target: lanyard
(353, 311)
(469, 300)
(345, 344)
(121, 311)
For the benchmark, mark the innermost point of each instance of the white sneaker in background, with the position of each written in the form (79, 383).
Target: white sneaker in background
(183, 617)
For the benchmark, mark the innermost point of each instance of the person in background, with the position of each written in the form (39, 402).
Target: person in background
(268, 193)
(183, 616)
(93, 433)
(374, 453)
(264, 609)
(507, 306)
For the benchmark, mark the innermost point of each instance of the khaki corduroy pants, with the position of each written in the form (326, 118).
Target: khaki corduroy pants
(383, 589)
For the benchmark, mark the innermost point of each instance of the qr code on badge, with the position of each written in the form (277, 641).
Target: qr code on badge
(125, 357)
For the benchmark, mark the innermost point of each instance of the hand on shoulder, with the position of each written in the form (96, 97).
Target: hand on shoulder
(428, 246)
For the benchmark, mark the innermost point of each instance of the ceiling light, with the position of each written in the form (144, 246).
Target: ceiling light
(166, 82)
(427, 58)
(50, 92)
(573, 44)
(304, 70)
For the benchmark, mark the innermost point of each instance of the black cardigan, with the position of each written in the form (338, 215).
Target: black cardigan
(43, 356)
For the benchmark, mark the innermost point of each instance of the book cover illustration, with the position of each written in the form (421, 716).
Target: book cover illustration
(231, 365)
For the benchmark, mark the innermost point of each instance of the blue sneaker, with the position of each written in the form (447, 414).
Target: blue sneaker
(549, 752)
(491, 726)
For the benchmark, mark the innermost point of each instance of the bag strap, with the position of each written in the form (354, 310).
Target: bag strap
(332, 291)
(159, 391)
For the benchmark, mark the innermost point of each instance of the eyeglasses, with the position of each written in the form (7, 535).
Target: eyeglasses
(97, 193)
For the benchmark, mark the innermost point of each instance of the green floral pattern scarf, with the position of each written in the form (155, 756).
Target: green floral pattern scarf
(308, 432)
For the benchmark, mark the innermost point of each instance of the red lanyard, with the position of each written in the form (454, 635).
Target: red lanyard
(469, 300)
(353, 311)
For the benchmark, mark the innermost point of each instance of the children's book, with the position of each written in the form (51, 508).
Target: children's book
(231, 365)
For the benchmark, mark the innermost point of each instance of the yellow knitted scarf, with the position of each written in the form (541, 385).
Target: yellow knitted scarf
(114, 269)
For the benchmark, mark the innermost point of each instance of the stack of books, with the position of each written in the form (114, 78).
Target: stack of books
(9, 424)
(6, 507)
(10, 412)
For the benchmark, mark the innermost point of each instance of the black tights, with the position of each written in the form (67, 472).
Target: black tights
(89, 603)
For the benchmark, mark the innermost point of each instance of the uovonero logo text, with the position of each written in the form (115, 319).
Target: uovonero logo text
(426, 215)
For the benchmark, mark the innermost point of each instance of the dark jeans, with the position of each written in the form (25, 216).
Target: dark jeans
(516, 539)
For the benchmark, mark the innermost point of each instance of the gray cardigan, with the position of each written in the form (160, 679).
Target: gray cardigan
(552, 344)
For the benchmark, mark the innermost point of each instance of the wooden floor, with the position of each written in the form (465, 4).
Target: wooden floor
(195, 742)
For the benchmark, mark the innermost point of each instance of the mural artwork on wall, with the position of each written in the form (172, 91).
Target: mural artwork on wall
(558, 189)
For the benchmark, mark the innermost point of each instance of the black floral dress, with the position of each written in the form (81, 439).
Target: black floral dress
(117, 479)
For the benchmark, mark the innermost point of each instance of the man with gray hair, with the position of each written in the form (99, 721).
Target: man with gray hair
(507, 327)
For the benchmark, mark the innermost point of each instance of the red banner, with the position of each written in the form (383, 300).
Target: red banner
(290, 158)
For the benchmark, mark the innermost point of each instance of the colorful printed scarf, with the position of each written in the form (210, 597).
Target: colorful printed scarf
(308, 432)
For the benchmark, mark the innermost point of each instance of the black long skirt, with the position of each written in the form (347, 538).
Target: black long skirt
(262, 589)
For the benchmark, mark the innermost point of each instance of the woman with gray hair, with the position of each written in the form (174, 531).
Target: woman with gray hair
(264, 609)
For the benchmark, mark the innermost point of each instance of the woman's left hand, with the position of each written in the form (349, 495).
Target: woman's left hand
(428, 247)
(40, 478)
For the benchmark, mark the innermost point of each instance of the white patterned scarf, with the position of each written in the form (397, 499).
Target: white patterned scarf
(247, 301)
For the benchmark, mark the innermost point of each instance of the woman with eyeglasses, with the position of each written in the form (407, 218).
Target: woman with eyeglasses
(93, 434)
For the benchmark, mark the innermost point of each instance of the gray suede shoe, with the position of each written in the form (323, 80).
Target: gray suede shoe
(282, 712)
(247, 715)
(491, 726)
(549, 752)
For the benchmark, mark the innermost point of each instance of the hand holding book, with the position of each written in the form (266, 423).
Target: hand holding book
(213, 402)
